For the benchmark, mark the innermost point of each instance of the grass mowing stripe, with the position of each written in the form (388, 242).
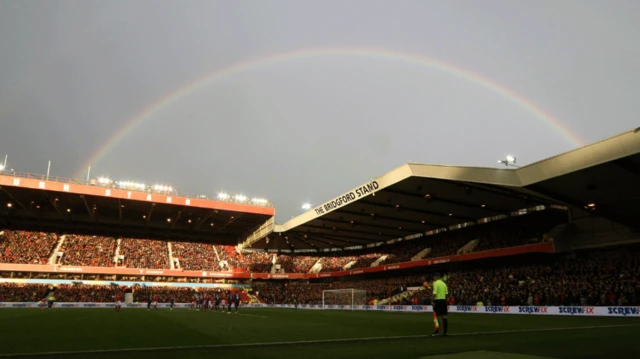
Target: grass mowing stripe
(304, 342)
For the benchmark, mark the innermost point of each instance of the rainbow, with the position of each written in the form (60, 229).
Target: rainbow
(375, 53)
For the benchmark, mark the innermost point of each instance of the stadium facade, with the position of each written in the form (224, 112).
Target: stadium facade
(587, 197)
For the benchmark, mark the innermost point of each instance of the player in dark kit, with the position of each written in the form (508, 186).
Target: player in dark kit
(236, 301)
(229, 301)
(173, 302)
(216, 303)
(149, 300)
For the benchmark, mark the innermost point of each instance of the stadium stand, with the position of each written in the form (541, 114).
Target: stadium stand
(419, 212)
(28, 247)
(11, 292)
(195, 256)
(87, 250)
(144, 253)
(610, 277)
(93, 251)
(297, 264)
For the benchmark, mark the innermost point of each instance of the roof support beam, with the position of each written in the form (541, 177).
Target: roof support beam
(231, 220)
(410, 231)
(436, 198)
(119, 210)
(322, 239)
(15, 199)
(151, 207)
(414, 210)
(54, 203)
(206, 218)
(387, 236)
(387, 218)
(86, 205)
(304, 240)
(175, 220)
(628, 166)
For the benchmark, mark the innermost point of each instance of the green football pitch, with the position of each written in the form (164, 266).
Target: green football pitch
(288, 333)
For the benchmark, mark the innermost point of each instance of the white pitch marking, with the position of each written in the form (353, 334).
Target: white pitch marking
(251, 315)
(319, 341)
(246, 315)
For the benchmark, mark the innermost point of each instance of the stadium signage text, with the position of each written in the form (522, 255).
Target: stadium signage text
(532, 310)
(623, 311)
(576, 310)
(466, 308)
(496, 309)
(348, 197)
(563, 311)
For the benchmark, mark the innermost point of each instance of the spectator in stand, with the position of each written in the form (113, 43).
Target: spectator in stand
(26, 247)
(603, 278)
(145, 253)
(195, 256)
(92, 251)
(297, 264)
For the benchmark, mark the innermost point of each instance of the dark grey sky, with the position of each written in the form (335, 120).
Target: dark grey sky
(74, 73)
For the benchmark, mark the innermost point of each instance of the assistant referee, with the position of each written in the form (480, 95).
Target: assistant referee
(440, 292)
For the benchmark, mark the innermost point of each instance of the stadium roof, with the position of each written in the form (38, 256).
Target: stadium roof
(416, 198)
(33, 202)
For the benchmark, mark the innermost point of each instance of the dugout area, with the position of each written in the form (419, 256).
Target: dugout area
(290, 333)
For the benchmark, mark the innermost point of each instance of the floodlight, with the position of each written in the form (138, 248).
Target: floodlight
(240, 198)
(223, 195)
(509, 161)
(306, 206)
(259, 200)
(104, 180)
(9, 205)
(1, 167)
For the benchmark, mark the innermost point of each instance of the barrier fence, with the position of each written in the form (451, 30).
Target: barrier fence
(567, 311)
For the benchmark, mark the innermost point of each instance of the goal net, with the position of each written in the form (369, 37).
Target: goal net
(348, 298)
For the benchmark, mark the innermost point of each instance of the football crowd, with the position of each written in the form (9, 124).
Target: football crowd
(610, 277)
(13, 292)
(601, 277)
(83, 250)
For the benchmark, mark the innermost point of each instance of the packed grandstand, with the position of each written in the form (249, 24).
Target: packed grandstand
(506, 244)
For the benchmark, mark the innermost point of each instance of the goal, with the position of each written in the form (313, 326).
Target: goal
(347, 298)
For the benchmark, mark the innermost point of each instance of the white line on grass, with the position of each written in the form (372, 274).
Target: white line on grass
(251, 315)
(246, 315)
(303, 342)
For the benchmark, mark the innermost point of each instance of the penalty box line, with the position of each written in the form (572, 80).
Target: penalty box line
(304, 342)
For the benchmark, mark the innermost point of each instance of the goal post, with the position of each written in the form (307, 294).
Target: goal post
(348, 298)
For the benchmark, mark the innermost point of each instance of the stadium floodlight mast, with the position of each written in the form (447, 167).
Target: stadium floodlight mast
(306, 206)
(223, 195)
(104, 180)
(509, 161)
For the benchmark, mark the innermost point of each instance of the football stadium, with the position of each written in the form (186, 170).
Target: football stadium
(541, 261)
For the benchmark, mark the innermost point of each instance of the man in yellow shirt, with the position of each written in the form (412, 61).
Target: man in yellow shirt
(440, 292)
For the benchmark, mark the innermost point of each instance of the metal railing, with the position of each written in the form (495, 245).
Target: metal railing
(148, 189)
